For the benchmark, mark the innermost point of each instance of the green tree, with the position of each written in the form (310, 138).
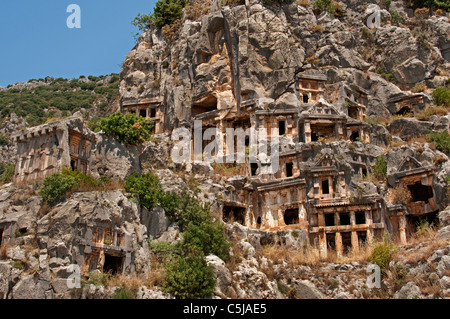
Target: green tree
(129, 129)
(6, 173)
(380, 168)
(441, 139)
(438, 4)
(209, 237)
(142, 22)
(189, 277)
(56, 186)
(146, 188)
(167, 11)
(441, 96)
(382, 254)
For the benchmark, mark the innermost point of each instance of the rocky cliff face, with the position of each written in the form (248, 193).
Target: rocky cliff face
(254, 51)
(233, 57)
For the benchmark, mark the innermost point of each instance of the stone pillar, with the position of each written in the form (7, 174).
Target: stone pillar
(322, 244)
(355, 242)
(402, 229)
(338, 242)
(307, 132)
(369, 222)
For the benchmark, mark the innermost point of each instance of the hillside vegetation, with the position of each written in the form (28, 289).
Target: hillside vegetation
(38, 101)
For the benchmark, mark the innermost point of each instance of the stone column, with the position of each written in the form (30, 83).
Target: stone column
(402, 229)
(338, 242)
(322, 244)
(355, 242)
(307, 132)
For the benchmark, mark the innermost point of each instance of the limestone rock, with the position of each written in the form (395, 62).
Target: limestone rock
(111, 159)
(223, 276)
(408, 291)
(30, 287)
(304, 289)
(145, 293)
(408, 128)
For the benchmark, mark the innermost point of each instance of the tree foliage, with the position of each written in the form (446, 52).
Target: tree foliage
(55, 97)
(56, 186)
(441, 96)
(380, 168)
(441, 139)
(187, 274)
(128, 129)
(6, 173)
(189, 277)
(167, 11)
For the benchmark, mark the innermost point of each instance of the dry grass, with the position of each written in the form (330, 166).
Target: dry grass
(421, 254)
(304, 3)
(428, 112)
(4, 250)
(156, 276)
(229, 170)
(236, 256)
(131, 282)
(310, 256)
(399, 194)
(316, 28)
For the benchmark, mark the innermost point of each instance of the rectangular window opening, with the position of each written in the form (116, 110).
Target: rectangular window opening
(329, 219)
(360, 218)
(289, 169)
(281, 127)
(325, 187)
(344, 218)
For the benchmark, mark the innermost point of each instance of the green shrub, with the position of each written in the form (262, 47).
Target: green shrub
(380, 168)
(164, 250)
(56, 187)
(396, 18)
(438, 4)
(441, 140)
(94, 124)
(382, 254)
(441, 96)
(142, 22)
(167, 12)
(189, 277)
(367, 34)
(387, 76)
(129, 129)
(334, 8)
(6, 173)
(98, 279)
(4, 141)
(123, 293)
(146, 188)
(209, 237)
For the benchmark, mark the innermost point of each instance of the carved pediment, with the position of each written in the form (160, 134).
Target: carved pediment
(323, 108)
(409, 163)
(327, 160)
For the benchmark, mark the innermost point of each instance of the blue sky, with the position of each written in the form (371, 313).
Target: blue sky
(35, 41)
